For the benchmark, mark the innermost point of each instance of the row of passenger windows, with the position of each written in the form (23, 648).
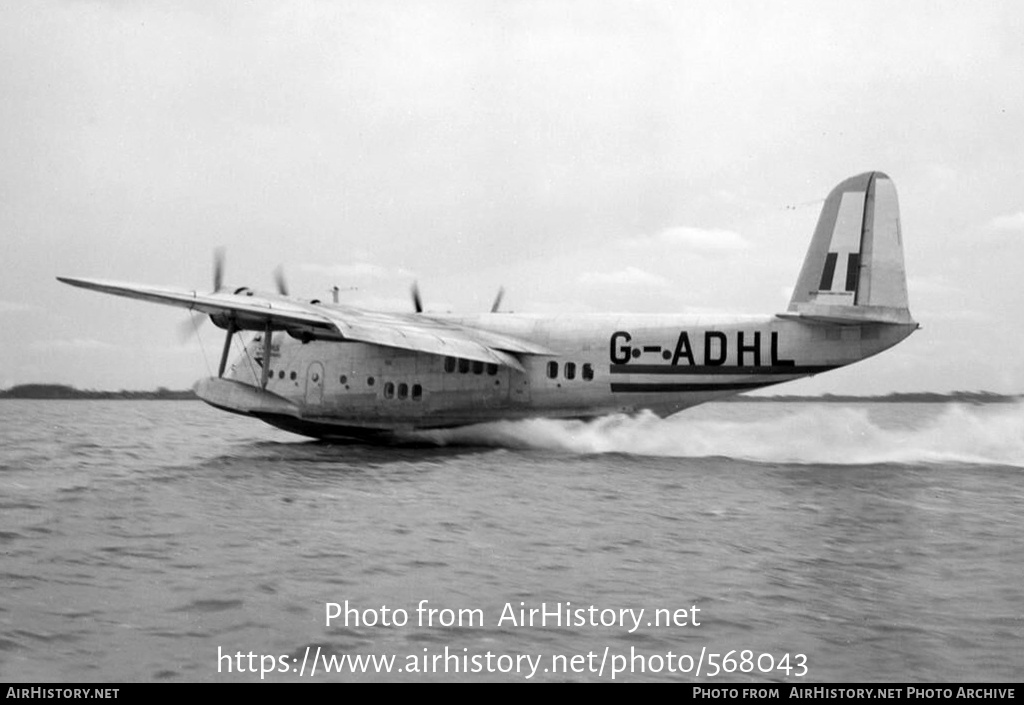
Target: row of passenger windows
(451, 364)
(464, 366)
(403, 391)
(569, 370)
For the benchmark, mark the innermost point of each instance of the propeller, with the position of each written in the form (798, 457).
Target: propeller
(189, 328)
(497, 300)
(218, 269)
(417, 302)
(282, 286)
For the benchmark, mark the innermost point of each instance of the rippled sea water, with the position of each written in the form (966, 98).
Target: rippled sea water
(149, 541)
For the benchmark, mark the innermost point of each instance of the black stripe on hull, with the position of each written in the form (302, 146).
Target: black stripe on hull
(718, 370)
(676, 387)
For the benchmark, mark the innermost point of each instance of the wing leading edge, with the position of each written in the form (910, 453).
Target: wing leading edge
(252, 311)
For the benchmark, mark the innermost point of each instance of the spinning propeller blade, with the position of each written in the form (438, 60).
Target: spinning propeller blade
(497, 300)
(282, 286)
(218, 268)
(188, 329)
(417, 302)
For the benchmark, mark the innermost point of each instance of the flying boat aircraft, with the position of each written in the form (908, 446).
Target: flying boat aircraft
(332, 371)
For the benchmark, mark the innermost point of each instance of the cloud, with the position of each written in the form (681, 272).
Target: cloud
(695, 240)
(359, 270)
(1013, 221)
(941, 177)
(73, 345)
(630, 276)
(16, 307)
(926, 316)
(931, 286)
(703, 239)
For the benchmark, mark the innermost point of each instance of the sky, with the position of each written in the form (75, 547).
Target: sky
(588, 156)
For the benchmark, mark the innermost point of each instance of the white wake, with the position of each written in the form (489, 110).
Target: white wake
(828, 433)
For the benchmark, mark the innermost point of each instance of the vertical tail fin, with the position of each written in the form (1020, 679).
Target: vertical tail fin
(854, 267)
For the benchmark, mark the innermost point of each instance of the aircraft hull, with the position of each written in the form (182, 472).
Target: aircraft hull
(604, 364)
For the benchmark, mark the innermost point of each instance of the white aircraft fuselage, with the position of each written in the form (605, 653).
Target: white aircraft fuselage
(335, 371)
(606, 364)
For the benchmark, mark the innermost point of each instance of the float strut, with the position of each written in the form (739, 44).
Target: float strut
(227, 348)
(265, 373)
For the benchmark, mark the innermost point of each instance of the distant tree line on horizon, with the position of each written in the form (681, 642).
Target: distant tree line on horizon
(63, 391)
(896, 398)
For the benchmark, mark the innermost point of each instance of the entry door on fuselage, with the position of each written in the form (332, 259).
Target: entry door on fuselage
(315, 384)
(518, 386)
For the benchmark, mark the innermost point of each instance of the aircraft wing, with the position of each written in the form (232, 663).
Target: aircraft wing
(251, 311)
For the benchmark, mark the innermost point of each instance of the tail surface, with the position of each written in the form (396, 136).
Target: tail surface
(854, 268)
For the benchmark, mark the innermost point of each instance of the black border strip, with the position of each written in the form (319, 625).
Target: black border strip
(643, 387)
(629, 369)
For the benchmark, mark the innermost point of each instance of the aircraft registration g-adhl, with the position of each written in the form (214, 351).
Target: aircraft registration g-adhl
(333, 371)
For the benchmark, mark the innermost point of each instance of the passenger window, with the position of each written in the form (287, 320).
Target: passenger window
(552, 369)
(449, 364)
(570, 370)
(463, 365)
(403, 390)
(588, 371)
(478, 367)
(293, 375)
(389, 390)
(280, 374)
(369, 381)
(492, 369)
(417, 392)
(343, 379)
